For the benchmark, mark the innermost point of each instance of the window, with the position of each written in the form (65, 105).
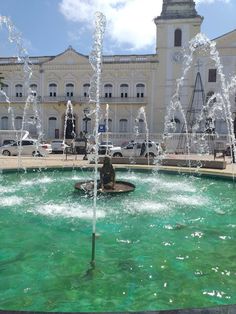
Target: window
(52, 90)
(69, 90)
(86, 90)
(109, 125)
(178, 38)
(19, 90)
(123, 123)
(176, 126)
(52, 125)
(140, 90)
(4, 123)
(87, 125)
(208, 96)
(4, 88)
(32, 125)
(212, 75)
(108, 91)
(27, 143)
(18, 123)
(124, 90)
(33, 88)
(141, 126)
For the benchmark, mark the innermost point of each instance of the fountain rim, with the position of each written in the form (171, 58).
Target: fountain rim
(204, 173)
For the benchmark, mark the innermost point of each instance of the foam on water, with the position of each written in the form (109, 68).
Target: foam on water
(190, 200)
(43, 180)
(145, 207)
(161, 184)
(67, 210)
(11, 201)
(5, 190)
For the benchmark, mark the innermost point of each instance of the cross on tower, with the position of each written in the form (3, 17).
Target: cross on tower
(198, 64)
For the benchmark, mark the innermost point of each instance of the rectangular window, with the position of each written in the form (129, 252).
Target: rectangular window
(212, 75)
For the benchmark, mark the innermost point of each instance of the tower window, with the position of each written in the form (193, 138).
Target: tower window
(212, 75)
(178, 38)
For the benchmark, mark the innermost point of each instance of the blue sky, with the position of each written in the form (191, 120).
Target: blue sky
(48, 27)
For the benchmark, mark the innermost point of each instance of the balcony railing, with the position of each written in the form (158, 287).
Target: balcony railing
(78, 99)
(103, 100)
(13, 99)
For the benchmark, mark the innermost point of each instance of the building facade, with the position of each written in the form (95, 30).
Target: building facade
(129, 82)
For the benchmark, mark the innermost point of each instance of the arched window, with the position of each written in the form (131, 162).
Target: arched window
(86, 89)
(4, 88)
(178, 38)
(141, 126)
(140, 88)
(52, 90)
(176, 125)
(33, 88)
(124, 90)
(208, 96)
(52, 125)
(32, 125)
(107, 90)
(123, 125)
(109, 125)
(18, 123)
(87, 125)
(19, 90)
(4, 123)
(69, 90)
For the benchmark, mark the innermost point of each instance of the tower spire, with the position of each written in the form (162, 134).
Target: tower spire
(178, 9)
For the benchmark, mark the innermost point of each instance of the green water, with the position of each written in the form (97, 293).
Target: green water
(170, 244)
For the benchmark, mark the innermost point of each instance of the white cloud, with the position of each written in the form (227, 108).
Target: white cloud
(128, 21)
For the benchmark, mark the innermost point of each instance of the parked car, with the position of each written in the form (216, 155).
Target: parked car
(26, 147)
(133, 149)
(58, 146)
(103, 147)
(80, 145)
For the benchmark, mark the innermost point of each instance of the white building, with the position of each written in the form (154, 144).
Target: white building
(129, 82)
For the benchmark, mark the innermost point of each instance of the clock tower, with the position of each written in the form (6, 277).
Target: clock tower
(178, 23)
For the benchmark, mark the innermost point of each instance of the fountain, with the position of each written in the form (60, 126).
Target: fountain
(168, 245)
(217, 105)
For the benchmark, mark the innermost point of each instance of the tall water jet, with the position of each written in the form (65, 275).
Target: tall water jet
(14, 37)
(142, 113)
(95, 60)
(69, 118)
(107, 126)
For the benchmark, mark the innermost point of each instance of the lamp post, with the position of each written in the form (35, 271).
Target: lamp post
(86, 119)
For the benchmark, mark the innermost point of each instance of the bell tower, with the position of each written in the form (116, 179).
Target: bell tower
(177, 24)
(177, 14)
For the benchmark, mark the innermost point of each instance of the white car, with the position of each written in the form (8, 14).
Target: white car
(133, 149)
(26, 147)
(58, 146)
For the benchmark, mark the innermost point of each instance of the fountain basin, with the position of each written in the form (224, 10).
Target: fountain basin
(170, 244)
